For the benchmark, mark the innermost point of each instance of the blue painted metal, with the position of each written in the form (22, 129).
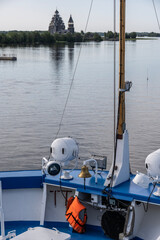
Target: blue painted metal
(34, 179)
(126, 191)
(92, 232)
(21, 179)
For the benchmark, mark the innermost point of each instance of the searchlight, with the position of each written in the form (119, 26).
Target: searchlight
(63, 151)
(152, 164)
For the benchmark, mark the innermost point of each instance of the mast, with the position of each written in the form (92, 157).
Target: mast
(121, 125)
(120, 168)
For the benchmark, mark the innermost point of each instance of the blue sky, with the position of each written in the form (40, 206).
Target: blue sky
(36, 14)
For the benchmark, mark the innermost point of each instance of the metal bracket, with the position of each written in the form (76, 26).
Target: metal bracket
(128, 86)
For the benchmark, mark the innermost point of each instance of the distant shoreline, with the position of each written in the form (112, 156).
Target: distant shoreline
(31, 38)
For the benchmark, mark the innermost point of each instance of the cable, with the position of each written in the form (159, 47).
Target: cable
(114, 101)
(73, 77)
(111, 196)
(156, 13)
(146, 208)
(114, 90)
(114, 98)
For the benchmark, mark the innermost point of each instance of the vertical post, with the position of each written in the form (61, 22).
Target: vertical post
(120, 170)
(43, 204)
(121, 106)
(2, 213)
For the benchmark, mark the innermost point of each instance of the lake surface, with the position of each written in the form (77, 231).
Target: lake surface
(33, 91)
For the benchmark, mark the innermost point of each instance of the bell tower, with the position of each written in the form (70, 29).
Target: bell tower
(70, 25)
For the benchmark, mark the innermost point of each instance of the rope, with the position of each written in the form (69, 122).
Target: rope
(156, 13)
(73, 77)
(114, 91)
(114, 96)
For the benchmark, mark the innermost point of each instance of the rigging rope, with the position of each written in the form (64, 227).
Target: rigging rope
(156, 13)
(73, 77)
(114, 96)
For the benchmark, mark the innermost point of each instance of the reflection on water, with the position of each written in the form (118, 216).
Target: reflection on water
(34, 90)
(71, 55)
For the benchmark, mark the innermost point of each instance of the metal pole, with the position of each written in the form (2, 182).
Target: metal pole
(43, 204)
(121, 106)
(2, 213)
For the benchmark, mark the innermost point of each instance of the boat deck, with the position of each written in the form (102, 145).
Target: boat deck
(63, 227)
(90, 234)
(125, 191)
(34, 179)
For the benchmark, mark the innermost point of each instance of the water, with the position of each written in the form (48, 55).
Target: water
(33, 92)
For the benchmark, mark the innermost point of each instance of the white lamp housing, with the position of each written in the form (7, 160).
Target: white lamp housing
(142, 180)
(157, 193)
(50, 167)
(64, 150)
(153, 164)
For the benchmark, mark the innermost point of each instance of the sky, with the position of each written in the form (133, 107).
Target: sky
(30, 15)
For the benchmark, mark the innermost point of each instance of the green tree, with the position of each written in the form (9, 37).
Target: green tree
(88, 36)
(105, 35)
(133, 35)
(110, 34)
(97, 37)
(59, 37)
(78, 37)
(36, 37)
(47, 38)
(127, 35)
(69, 37)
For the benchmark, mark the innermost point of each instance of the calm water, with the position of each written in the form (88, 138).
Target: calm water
(33, 92)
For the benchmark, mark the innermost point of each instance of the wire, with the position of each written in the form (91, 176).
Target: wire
(156, 13)
(114, 100)
(114, 90)
(110, 195)
(146, 208)
(73, 77)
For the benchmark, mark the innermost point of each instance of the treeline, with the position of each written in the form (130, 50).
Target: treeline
(26, 38)
(89, 36)
(146, 34)
(44, 37)
(110, 35)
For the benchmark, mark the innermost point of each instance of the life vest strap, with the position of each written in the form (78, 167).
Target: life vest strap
(81, 225)
(74, 208)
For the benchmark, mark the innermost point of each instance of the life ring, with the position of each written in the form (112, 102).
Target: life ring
(112, 223)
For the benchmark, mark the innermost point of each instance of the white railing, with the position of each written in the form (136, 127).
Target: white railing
(2, 214)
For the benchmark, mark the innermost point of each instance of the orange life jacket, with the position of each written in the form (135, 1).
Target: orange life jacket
(74, 209)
